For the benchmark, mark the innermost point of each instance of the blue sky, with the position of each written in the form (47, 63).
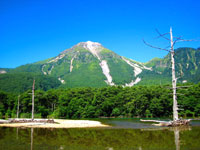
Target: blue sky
(34, 30)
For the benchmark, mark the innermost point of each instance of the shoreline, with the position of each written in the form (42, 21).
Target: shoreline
(59, 123)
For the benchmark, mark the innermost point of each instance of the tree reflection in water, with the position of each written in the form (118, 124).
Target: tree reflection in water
(99, 139)
(177, 134)
(32, 131)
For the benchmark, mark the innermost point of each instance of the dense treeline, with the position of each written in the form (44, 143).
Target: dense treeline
(115, 101)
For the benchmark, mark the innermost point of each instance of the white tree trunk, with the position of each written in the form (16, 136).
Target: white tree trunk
(18, 107)
(33, 99)
(175, 107)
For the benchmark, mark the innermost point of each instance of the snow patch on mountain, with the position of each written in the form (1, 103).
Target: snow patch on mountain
(49, 72)
(43, 70)
(147, 68)
(141, 65)
(137, 70)
(2, 72)
(184, 81)
(93, 47)
(106, 72)
(61, 80)
(53, 60)
(71, 62)
(187, 66)
(57, 58)
(132, 83)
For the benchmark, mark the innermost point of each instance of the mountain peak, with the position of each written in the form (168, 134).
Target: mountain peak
(93, 47)
(90, 45)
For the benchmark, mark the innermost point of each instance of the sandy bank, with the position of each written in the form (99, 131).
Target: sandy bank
(60, 123)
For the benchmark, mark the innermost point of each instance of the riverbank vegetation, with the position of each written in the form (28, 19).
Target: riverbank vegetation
(115, 101)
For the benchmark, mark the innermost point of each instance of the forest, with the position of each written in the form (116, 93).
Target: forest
(22, 81)
(113, 101)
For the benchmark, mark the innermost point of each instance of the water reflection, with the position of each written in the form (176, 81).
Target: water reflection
(177, 134)
(32, 131)
(176, 130)
(100, 139)
(177, 140)
(31, 135)
(17, 133)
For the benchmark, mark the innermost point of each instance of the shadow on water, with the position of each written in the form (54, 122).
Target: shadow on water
(120, 137)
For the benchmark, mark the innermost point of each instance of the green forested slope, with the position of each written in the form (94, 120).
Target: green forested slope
(187, 65)
(20, 82)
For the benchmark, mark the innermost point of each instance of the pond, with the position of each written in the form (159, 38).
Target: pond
(126, 134)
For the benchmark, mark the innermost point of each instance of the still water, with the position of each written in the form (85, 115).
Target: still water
(125, 135)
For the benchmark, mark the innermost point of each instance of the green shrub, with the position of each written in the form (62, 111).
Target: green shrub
(25, 115)
(1, 115)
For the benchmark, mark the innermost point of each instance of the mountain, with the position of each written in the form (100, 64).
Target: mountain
(187, 64)
(89, 64)
(3, 70)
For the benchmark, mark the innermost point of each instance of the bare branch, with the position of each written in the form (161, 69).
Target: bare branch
(176, 93)
(174, 42)
(162, 35)
(179, 39)
(167, 47)
(186, 40)
(179, 87)
(179, 94)
(182, 41)
(184, 86)
(155, 46)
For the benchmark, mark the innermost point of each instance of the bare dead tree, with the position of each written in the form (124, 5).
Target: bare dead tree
(18, 106)
(172, 52)
(33, 89)
(174, 79)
